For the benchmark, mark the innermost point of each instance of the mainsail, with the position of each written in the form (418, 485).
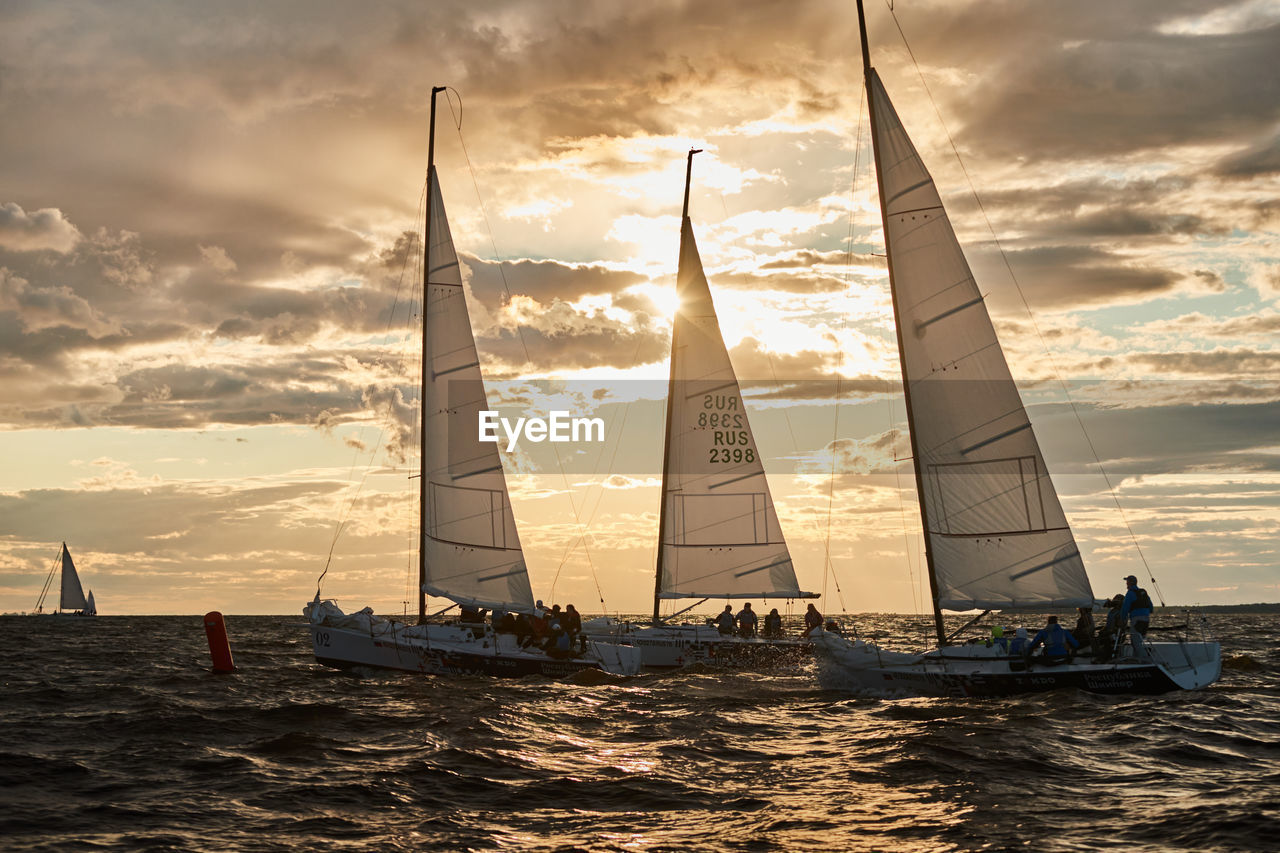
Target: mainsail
(996, 531)
(471, 547)
(719, 535)
(72, 597)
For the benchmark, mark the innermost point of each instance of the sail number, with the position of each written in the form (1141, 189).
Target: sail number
(720, 419)
(730, 439)
(732, 454)
(322, 639)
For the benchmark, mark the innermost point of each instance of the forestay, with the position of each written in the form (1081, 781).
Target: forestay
(720, 535)
(996, 529)
(473, 553)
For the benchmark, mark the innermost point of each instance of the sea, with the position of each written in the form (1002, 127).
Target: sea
(116, 735)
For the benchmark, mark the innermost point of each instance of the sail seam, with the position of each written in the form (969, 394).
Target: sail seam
(435, 538)
(988, 533)
(916, 210)
(706, 391)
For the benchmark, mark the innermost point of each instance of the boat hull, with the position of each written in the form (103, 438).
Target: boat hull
(982, 671)
(674, 646)
(362, 640)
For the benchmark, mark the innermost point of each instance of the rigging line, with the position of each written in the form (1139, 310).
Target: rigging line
(902, 510)
(412, 355)
(502, 273)
(897, 469)
(830, 569)
(395, 302)
(617, 445)
(1027, 306)
(796, 446)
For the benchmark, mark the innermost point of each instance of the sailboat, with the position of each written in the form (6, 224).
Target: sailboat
(71, 597)
(996, 535)
(469, 548)
(718, 531)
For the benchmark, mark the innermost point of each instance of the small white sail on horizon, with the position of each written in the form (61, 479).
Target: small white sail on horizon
(995, 526)
(72, 593)
(71, 598)
(473, 553)
(719, 536)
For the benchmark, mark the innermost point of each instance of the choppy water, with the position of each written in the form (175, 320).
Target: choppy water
(114, 735)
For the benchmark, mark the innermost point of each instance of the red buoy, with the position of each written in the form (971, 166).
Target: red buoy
(219, 645)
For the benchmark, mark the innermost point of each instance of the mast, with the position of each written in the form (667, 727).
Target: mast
(671, 390)
(422, 415)
(897, 325)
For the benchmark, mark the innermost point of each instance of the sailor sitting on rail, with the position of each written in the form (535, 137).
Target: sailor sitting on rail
(1055, 640)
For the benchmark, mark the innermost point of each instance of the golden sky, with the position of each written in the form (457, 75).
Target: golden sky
(203, 211)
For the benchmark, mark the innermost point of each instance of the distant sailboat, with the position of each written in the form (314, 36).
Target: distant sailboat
(469, 548)
(996, 535)
(719, 535)
(71, 598)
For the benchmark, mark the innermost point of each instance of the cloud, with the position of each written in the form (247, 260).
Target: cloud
(1256, 161)
(853, 460)
(753, 363)
(535, 338)
(1265, 278)
(544, 281)
(40, 308)
(1079, 275)
(1264, 325)
(1219, 362)
(217, 258)
(1111, 82)
(43, 229)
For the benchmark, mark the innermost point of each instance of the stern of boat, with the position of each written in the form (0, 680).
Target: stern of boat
(1191, 666)
(617, 659)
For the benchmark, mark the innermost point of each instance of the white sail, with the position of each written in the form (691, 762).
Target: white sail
(996, 529)
(72, 597)
(91, 607)
(473, 553)
(720, 536)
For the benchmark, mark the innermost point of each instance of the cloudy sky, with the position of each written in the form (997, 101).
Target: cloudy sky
(205, 274)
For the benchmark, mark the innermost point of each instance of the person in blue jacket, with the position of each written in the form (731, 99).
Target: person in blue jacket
(1020, 642)
(1055, 640)
(1136, 611)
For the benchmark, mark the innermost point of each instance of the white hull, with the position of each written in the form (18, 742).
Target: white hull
(979, 670)
(671, 646)
(361, 639)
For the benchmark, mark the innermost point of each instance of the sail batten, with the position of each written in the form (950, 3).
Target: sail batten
(471, 546)
(996, 532)
(720, 536)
